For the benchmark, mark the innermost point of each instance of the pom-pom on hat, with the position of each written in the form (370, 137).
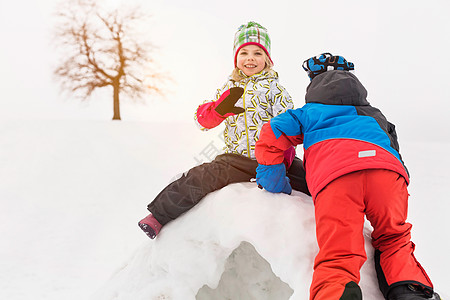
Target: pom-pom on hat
(325, 62)
(251, 33)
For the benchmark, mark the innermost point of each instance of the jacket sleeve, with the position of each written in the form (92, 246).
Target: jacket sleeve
(280, 99)
(277, 136)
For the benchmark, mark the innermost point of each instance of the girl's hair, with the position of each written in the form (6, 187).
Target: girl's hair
(237, 74)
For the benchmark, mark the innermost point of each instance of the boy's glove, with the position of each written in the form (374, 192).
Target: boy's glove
(273, 178)
(227, 100)
(325, 62)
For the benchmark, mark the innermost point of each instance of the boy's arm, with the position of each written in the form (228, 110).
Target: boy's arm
(278, 135)
(281, 133)
(281, 101)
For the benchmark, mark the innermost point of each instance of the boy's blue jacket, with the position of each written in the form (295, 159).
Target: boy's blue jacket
(340, 131)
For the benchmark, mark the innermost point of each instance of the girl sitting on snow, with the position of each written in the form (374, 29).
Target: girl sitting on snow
(251, 96)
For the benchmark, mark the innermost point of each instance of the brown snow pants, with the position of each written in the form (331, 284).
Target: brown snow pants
(184, 193)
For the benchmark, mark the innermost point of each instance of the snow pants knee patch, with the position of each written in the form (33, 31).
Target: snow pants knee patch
(351, 292)
(336, 290)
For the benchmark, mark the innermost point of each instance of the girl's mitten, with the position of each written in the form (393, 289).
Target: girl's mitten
(225, 104)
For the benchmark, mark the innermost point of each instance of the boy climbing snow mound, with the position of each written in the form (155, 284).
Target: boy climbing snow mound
(354, 170)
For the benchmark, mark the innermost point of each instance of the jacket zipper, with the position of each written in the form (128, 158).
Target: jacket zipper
(245, 118)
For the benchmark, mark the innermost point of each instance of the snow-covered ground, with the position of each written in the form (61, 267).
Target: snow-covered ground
(71, 193)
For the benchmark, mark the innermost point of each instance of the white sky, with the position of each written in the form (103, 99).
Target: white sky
(399, 49)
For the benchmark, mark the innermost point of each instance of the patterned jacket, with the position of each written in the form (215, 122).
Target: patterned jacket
(340, 131)
(263, 99)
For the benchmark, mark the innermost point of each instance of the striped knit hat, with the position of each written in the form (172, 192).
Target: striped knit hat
(251, 33)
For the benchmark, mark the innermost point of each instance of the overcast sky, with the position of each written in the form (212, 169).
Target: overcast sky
(400, 50)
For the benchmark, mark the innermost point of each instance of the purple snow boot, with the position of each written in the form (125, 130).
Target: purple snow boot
(150, 226)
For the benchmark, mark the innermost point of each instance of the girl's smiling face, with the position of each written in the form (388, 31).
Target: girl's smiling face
(251, 59)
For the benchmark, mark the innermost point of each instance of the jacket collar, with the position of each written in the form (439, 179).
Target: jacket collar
(260, 76)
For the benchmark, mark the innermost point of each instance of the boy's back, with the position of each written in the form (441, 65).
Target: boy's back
(342, 132)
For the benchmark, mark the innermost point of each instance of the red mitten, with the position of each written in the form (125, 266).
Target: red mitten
(211, 114)
(225, 105)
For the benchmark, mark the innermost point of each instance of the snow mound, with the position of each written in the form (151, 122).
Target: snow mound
(238, 243)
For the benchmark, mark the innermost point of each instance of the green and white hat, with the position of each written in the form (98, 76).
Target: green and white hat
(251, 33)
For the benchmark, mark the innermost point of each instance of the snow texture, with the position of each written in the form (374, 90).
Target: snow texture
(262, 228)
(72, 193)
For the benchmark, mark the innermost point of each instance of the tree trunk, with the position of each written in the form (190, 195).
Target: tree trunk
(116, 87)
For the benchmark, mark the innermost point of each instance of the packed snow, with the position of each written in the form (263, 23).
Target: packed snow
(72, 193)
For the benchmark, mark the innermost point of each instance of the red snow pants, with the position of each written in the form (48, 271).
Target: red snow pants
(381, 196)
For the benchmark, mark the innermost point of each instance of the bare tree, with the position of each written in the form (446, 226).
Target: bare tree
(101, 49)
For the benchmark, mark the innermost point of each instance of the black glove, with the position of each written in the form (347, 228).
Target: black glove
(227, 100)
